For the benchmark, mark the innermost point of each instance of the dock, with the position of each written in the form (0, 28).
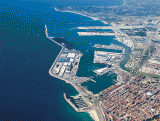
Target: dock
(96, 33)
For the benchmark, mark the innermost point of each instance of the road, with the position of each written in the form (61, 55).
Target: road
(144, 51)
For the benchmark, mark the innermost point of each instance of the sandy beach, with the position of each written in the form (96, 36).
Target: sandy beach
(93, 18)
(94, 115)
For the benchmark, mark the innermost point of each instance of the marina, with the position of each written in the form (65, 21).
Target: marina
(68, 100)
(79, 104)
(102, 82)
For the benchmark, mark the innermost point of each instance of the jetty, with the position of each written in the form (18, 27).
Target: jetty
(93, 80)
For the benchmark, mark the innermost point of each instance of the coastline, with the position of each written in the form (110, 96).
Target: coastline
(93, 18)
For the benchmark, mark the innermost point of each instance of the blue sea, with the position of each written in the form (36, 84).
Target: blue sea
(28, 92)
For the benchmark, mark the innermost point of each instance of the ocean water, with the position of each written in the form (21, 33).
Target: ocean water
(86, 66)
(27, 90)
(102, 82)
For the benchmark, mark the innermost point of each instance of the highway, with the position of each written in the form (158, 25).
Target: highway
(144, 51)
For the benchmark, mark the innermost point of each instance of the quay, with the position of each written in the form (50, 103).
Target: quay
(109, 58)
(111, 46)
(95, 33)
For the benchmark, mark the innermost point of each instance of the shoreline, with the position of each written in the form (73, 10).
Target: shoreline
(93, 18)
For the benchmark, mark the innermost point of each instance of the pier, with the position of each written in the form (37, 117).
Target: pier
(51, 38)
(93, 80)
(104, 71)
(95, 33)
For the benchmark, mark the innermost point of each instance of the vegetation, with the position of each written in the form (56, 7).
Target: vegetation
(130, 91)
(138, 49)
(156, 117)
(148, 50)
(135, 93)
(128, 69)
(149, 75)
(142, 34)
(142, 60)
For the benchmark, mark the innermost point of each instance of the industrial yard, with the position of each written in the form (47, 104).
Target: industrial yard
(66, 64)
(109, 58)
(111, 46)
